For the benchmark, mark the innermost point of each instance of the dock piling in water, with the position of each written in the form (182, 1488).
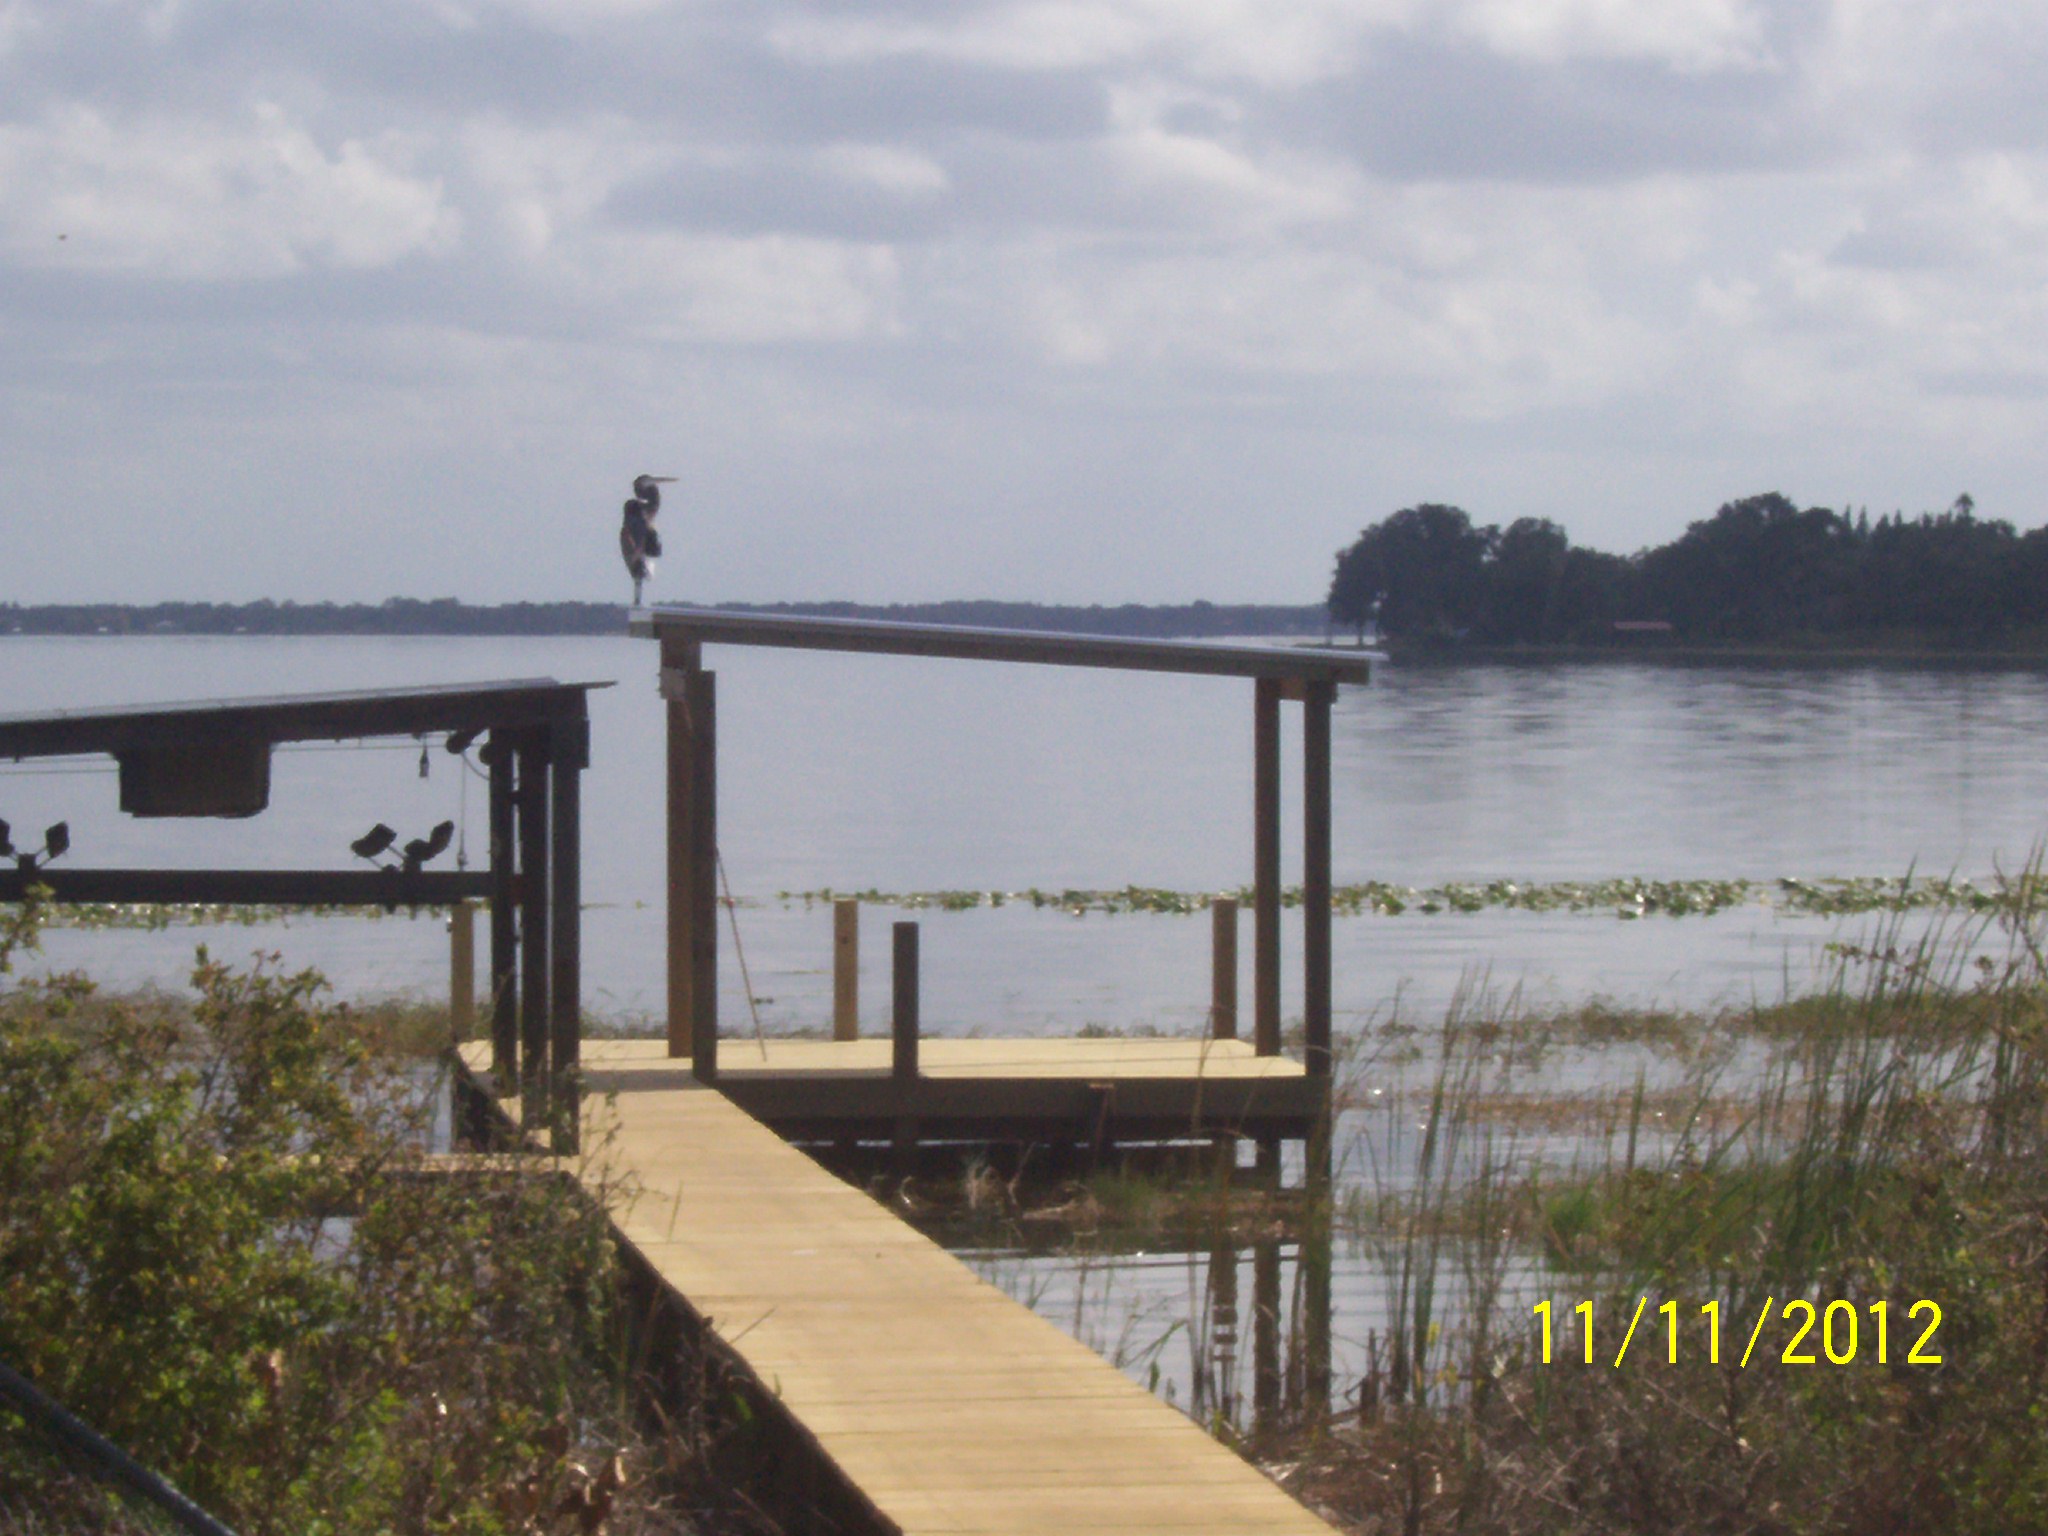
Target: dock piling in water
(846, 969)
(1223, 968)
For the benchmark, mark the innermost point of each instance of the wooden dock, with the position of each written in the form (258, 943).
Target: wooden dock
(1080, 1092)
(949, 1407)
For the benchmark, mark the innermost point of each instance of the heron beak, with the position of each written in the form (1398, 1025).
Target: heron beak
(663, 479)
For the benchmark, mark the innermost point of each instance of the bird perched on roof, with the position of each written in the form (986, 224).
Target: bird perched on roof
(638, 541)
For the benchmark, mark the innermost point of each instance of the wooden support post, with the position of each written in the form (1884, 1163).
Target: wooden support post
(704, 877)
(679, 660)
(1223, 968)
(569, 754)
(1266, 867)
(903, 1027)
(533, 930)
(462, 970)
(903, 1015)
(504, 920)
(1315, 876)
(846, 969)
(1317, 698)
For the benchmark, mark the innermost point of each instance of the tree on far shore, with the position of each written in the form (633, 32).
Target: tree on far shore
(1761, 569)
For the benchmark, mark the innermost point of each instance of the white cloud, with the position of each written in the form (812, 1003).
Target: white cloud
(758, 290)
(539, 183)
(1270, 42)
(898, 172)
(1231, 184)
(1687, 35)
(1480, 301)
(1281, 43)
(188, 198)
(568, 16)
(554, 193)
(17, 23)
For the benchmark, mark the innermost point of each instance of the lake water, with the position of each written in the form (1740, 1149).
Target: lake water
(907, 774)
(913, 775)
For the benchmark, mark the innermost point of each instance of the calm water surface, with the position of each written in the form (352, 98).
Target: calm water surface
(909, 775)
(916, 775)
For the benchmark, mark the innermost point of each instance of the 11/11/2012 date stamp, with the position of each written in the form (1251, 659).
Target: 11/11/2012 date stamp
(1808, 1333)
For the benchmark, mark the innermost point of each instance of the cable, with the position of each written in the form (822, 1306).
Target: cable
(733, 917)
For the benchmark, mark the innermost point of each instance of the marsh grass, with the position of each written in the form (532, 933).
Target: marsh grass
(1891, 1152)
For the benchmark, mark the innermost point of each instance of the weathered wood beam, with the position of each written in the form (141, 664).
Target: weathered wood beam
(977, 643)
(250, 887)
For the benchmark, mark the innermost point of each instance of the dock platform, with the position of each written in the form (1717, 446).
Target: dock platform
(1082, 1091)
(953, 1410)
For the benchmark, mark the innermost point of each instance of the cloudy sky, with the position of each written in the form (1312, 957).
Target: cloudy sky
(1080, 300)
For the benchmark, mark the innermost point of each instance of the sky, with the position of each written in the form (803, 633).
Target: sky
(1068, 300)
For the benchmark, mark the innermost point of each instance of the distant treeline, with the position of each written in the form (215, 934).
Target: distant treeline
(1759, 571)
(446, 616)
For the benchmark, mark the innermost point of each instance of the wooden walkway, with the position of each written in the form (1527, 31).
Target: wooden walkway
(951, 1407)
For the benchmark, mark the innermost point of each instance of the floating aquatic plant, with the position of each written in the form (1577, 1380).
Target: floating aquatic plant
(1627, 898)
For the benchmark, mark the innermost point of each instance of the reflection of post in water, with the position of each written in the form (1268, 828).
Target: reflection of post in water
(1265, 1336)
(1314, 1317)
(1299, 1384)
(1216, 1391)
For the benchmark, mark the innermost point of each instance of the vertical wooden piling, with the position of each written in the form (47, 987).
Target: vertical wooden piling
(534, 1021)
(679, 659)
(569, 754)
(1266, 867)
(704, 877)
(504, 919)
(846, 969)
(1266, 891)
(1223, 968)
(903, 1028)
(1315, 875)
(1317, 697)
(462, 971)
(692, 698)
(903, 1014)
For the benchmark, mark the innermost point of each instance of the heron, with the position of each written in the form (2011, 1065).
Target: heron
(638, 541)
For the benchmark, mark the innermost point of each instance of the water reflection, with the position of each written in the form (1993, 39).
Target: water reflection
(1237, 1332)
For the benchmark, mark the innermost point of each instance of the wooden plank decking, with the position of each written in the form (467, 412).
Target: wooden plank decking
(951, 1407)
(1117, 1089)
